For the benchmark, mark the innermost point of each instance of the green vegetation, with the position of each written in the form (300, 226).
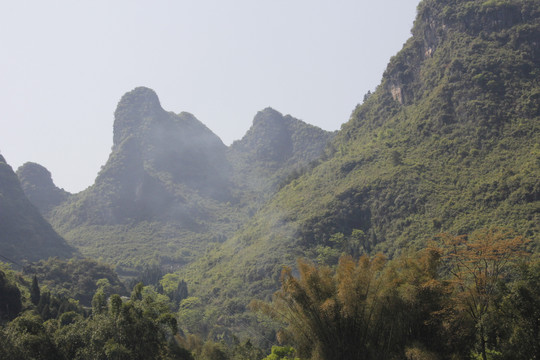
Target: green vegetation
(433, 149)
(142, 326)
(448, 143)
(442, 303)
(114, 330)
(281, 353)
(75, 278)
(466, 297)
(10, 298)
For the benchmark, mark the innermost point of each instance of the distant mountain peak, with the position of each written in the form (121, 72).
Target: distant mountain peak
(158, 160)
(267, 114)
(275, 147)
(39, 187)
(142, 98)
(275, 138)
(133, 109)
(38, 173)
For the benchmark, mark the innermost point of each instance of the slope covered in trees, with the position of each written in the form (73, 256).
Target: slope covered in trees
(448, 142)
(24, 233)
(75, 278)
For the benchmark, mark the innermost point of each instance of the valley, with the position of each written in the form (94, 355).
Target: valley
(423, 210)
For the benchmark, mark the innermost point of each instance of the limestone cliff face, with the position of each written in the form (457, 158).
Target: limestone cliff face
(438, 21)
(38, 186)
(135, 109)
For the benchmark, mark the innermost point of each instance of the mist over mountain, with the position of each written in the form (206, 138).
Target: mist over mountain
(24, 233)
(171, 187)
(176, 148)
(447, 144)
(156, 158)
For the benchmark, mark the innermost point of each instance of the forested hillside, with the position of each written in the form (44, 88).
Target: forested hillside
(411, 233)
(448, 142)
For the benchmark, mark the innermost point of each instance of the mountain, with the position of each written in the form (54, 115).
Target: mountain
(448, 142)
(24, 233)
(275, 149)
(164, 193)
(38, 186)
(171, 188)
(154, 151)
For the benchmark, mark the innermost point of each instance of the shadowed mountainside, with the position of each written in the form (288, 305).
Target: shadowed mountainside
(38, 186)
(24, 233)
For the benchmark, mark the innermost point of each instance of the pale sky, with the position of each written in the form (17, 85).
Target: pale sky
(65, 64)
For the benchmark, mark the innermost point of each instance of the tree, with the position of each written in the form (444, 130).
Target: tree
(213, 351)
(246, 351)
(140, 328)
(366, 309)
(29, 338)
(191, 315)
(519, 314)
(335, 315)
(174, 287)
(99, 302)
(477, 263)
(34, 291)
(281, 353)
(10, 298)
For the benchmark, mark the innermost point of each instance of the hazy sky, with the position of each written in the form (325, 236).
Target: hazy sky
(65, 64)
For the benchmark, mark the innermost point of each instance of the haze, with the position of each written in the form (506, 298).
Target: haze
(65, 65)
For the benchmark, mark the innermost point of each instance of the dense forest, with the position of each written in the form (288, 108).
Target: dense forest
(472, 296)
(411, 233)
